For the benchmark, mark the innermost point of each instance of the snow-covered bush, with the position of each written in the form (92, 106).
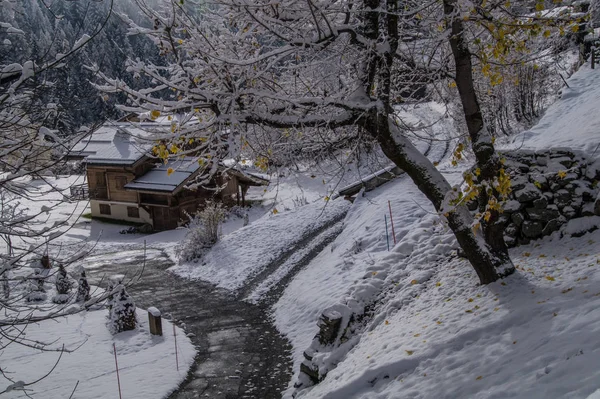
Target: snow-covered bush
(63, 285)
(121, 308)
(37, 291)
(203, 233)
(83, 287)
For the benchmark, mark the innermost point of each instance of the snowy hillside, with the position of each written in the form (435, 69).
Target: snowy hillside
(432, 331)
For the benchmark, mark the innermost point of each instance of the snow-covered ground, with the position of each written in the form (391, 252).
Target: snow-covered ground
(572, 121)
(147, 363)
(247, 251)
(434, 332)
(89, 370)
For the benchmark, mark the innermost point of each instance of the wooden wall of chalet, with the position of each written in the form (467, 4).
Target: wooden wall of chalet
(107, 183)
(116, 186)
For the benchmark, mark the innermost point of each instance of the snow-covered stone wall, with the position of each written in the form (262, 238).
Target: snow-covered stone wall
(549, 188)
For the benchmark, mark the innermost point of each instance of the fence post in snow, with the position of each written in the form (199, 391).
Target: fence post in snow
(117, 367)
(392, 221)
(176, 355)
(387, 236)
(154, 321)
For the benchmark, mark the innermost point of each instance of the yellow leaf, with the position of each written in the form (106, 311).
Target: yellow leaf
(438, 284)
(417, 335)
(452, 84)
(550, 278)
(170, 171)
(327, 198)
(438, 322)
(410, 352)
(470, 300)
(387, 322)
(154, 114)
(275, 211)
(562, 174)
(413, 282)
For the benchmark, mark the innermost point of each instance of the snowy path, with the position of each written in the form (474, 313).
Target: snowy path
(267, 287)
(240, 352)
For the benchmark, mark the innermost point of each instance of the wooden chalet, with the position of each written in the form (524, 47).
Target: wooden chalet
(125, 183)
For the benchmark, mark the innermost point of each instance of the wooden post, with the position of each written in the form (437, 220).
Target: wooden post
(392, 222)
(387, 235)
(176, 355)
(155, 321)
(117, 367)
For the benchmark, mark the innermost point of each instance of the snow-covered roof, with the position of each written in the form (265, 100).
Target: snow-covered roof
(159, 179)
(114, 144)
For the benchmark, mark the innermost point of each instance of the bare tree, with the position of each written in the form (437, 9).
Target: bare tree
(29, 150)
(327, 68)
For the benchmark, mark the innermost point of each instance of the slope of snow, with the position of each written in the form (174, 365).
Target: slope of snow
(440, 334)
(247, 251)
(435, 332)
(147, 367)
(572, 121)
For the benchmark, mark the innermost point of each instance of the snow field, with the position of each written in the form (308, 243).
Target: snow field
(247, 251)
(147, 367)
(433, 331)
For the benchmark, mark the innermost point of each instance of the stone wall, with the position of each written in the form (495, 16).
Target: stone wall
(549, 188)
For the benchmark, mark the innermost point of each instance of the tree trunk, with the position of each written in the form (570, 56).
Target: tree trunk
(481, 140)
(432, 183)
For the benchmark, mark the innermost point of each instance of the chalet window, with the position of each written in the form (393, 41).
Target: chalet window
(104, 209)
(100, 180)
(133, 212)
(120, 182)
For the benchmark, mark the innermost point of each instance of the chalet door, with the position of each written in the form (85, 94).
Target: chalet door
(165, 218)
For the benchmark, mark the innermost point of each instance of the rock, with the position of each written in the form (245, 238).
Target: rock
(532, 228)
(511, 230)
(552, 226)
(558, 152)
(580, 226)
(587, 209)
(518, 182)
(542, 160)
(512, 206)
(528, 193)
(329, 326)
(309, 354)
(597, 206)
(540, 203)
(311, 371)
(510, 241)
(569, 212)
(517, 218)
(562, 198)
(539, 180)
(576, 203)
(524, 241)
(544, 215)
